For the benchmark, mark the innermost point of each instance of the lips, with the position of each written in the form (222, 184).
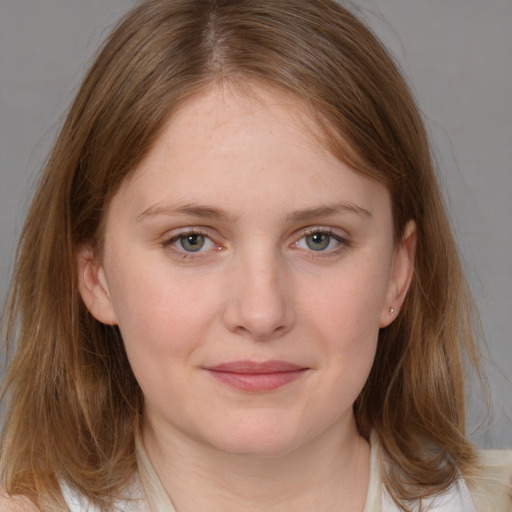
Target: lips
(257, 377)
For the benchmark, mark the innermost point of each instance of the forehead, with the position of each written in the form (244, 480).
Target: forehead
(244, 149)
(231, 109)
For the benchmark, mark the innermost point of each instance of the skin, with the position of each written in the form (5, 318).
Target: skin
(16, 504)
(296, 263)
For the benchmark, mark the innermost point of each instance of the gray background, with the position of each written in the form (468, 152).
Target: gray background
(457, 55)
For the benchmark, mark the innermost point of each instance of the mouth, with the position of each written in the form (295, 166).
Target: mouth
(257, 377)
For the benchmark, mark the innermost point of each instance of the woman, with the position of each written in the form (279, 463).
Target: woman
(236, 287)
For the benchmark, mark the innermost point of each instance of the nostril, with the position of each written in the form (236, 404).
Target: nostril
(259, 302)
(259, 321)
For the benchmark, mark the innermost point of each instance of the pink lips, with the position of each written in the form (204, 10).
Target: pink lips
(257, 377)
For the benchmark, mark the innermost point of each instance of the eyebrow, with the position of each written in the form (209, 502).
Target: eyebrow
(329, 210)
(212, 212)
(195, 210)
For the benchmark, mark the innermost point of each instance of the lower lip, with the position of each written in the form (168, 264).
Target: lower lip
(257, 382)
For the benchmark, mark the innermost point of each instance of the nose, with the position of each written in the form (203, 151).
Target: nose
(259, 304)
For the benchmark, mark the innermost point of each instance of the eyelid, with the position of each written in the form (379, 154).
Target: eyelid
(186, 230)
(170, 238)
(343, 241)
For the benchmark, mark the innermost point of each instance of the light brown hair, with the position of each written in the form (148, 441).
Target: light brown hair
(74, 404)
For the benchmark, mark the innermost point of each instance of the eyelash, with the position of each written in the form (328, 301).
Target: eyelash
(342, 243)
(188, 255)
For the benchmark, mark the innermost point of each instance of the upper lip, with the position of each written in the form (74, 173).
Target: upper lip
(255, 367)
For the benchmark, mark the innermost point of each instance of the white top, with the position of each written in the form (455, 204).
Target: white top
(455, 499)
(147, 494)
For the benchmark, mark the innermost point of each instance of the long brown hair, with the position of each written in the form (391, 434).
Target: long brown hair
(74, 404)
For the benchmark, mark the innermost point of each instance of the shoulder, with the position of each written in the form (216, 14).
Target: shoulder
(496, 460)
(130, 499)
(491, 484)
(16, 504)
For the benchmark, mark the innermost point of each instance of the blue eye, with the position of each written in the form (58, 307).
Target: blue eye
(191, 242)
(319, 241)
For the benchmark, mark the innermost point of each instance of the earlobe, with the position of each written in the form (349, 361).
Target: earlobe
(93, 287)
(401, 274)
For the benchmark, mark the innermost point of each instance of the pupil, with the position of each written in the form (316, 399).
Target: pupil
(317, 241)
(192, 243)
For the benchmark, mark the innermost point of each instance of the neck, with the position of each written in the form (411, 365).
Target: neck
(318, 476)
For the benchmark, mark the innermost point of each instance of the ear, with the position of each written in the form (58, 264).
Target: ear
(401, 274)
(93, 287)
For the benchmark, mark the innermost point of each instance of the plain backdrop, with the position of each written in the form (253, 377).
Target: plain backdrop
(457, 55)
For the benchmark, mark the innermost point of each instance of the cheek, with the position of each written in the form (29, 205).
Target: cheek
(159, 313)
(345, 317)
(350, 299)
(164, 323)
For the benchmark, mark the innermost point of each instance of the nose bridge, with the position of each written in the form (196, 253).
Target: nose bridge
(259, 304)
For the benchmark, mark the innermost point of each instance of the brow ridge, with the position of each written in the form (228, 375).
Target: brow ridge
(329, 210)
(195, 210)
(212, 212)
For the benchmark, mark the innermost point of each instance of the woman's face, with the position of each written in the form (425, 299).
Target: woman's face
(249, 272)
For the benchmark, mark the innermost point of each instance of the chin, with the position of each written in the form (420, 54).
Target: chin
(257, 440)
(257, 448)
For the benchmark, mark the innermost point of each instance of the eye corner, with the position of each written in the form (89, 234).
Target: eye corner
(190, 243)
(320, 241)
